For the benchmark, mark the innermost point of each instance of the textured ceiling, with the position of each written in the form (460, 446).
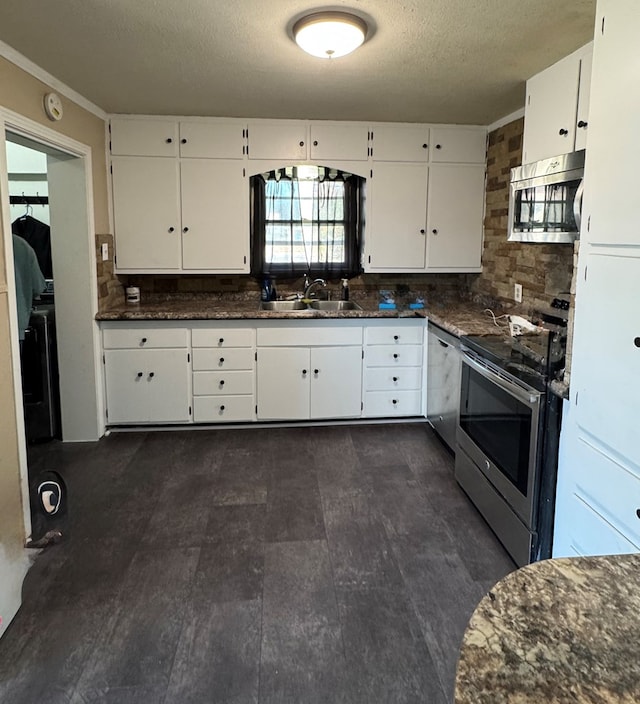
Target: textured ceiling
(459, 61)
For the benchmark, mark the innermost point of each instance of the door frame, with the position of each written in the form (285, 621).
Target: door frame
(46, 137)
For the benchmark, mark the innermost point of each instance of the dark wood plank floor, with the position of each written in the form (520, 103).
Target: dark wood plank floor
(302, 565)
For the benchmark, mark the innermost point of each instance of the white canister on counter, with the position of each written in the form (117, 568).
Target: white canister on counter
(132, 294)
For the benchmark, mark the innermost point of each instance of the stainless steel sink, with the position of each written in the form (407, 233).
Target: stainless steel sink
(334, 305)
(282, 305)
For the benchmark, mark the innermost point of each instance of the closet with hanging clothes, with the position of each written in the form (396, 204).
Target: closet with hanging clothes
(29, 212)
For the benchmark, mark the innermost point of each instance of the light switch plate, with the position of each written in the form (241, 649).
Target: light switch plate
(105, 252)
(517, 293)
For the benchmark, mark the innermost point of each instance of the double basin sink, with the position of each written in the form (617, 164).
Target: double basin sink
(294, 306)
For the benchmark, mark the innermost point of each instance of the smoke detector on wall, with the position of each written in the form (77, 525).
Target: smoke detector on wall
(53, 107)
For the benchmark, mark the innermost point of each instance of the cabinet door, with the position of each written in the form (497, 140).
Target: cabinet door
(147, 386)
(336, 382)
(400, 143)
(397, 225)
(127, 381)
(283, 383)
(146, 210)
(550, 110)
(212, 140)
(284, 139)
(346, 142)
(215, 215)
(606, 353)
(168, 388)
(454, 217)
(584, 97)
(144, 137)
(611, 171)
(458, 145)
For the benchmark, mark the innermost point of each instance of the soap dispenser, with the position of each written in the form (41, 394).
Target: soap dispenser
(345, 289)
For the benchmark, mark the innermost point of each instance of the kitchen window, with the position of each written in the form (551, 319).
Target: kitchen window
(306, 219)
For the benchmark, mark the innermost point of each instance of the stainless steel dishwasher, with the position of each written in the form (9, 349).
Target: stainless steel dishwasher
(443, 383)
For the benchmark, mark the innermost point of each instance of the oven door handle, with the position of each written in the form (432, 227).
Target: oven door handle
(529, 398)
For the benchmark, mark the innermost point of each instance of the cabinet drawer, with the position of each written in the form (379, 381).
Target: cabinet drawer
(222, 337)
(222, 409)
(144, 338)
(384, 379)
(592, 534)
(395, 336)
(383, 404)
(298, 336)
(393, 356)
(611, 489)
(218, 360)
(222, 383)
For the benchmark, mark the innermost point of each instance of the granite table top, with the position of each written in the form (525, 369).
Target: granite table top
(558, 631)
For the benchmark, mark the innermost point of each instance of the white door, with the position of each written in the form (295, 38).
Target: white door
(143, 137)
(346, 142)
(146, 198)
(212, 140)
(126, 377)
(215, 215)
(284, 139)
(398, 216)
(336, 382)
(167, 386)
(550, 110)
(400, 143)
(458, 145)
(454, 216)
(283, 383)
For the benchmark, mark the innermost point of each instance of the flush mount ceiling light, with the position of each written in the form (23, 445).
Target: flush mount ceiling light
(329, 35)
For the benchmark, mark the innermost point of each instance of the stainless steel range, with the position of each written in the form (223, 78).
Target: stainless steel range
(507, 434)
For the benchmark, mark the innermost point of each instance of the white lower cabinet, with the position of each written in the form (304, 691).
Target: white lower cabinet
(223, 372)
(309, 372)
(393, 358)
(147, 375)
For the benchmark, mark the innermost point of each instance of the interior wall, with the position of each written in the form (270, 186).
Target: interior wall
(23, 94)
(543, 270)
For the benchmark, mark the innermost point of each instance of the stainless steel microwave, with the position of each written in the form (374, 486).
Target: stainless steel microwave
(545, 199)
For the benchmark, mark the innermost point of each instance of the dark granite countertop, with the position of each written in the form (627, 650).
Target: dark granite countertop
(458, 317)
(558, 631)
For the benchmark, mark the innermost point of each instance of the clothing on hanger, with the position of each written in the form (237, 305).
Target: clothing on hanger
(38, 235)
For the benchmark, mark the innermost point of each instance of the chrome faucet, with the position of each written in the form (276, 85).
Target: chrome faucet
(308, 285)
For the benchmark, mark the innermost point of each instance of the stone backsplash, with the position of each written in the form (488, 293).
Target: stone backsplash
(543, 270)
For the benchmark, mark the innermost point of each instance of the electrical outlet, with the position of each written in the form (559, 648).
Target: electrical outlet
(105, 252)
(517, 293)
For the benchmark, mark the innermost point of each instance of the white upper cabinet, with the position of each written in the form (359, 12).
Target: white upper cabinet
(144, 137)
(212, 140)
(458, 145)
(146, 213)
(557, 99)
(400, 143)
(215, 215)
(455, 208)
(396, 229)
(278, 139)
(335, 141)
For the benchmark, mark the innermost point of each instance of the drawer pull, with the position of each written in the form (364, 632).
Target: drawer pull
(395, 378)
(144, 339)
(183, 141)
(563, 133)
(222, 408)
(151, 375)
(443, 343)
(396, 337)
(636, 341)
(638, 512)
(139, 374)
(395, 356)
(304, 372)
(302, 144)
(168, 140)
(172, 229)
(221, 382)
(221, 341)
(221, 360)
(394, 401)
